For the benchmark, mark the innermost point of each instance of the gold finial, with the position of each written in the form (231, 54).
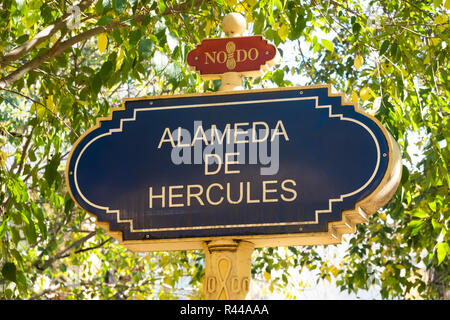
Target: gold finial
(234, 24)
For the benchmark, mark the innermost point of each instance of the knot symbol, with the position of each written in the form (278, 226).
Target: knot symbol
(231, 48)
(224, 266)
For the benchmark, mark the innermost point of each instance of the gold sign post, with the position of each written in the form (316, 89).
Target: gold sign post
(228, 269)
(228, 262)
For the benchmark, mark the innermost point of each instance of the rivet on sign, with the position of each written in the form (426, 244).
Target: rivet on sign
(301, 92)
(147, 236)
(70, 172)
(196, 58)
(267, 53)
(150, 102)
(300, 229)
(384, 155)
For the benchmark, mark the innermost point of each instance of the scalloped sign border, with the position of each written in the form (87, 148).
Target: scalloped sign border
(327, 225)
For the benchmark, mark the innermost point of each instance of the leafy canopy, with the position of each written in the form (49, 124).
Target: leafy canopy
(64, 64)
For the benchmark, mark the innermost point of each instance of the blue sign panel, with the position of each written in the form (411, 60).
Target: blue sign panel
(264, 162)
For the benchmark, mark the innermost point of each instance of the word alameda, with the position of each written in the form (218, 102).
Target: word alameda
(215, 136)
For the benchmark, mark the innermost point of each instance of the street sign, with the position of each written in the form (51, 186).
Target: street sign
(288, 166)
(249, 56)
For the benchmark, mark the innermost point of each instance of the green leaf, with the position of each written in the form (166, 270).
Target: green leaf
(9, 271)
(442, 248)
(104, 20)
(30, 232)
(161, 6)
(51, 170)
(26, 215)
(328, 45)
(4, 227)
(21, 280)
(102, 6)
(106, 69)
(63, 267)
(134, 37)
(436, 225)
(419, 214)
(415, 224)
(278, 77)
(394, 49)
(18, 257)
(405, 174)
(356, 28)
(297, 28)
(278, 4)
(46, 13)
(65, 109)
(99, 7)
(384, 47)
(15, 235)
(145, 48)
(37, 212)
(18, 189)
(32, 155)
(68, 203)
(119, 6)
(258, 24)
(174, 74)
(432, 205)
(96, 84)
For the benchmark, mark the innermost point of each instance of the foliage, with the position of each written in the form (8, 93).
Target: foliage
(59, 74)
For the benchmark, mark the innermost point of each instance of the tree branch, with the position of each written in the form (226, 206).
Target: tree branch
(41, 36)
(62, 253)
(24, 151)
(43, 105)
(101, 244)
(60, 47)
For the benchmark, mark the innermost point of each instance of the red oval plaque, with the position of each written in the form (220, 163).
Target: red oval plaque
(246, 55)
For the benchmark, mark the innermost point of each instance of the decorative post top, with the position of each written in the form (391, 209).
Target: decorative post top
(234, 25)
(232, 58)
